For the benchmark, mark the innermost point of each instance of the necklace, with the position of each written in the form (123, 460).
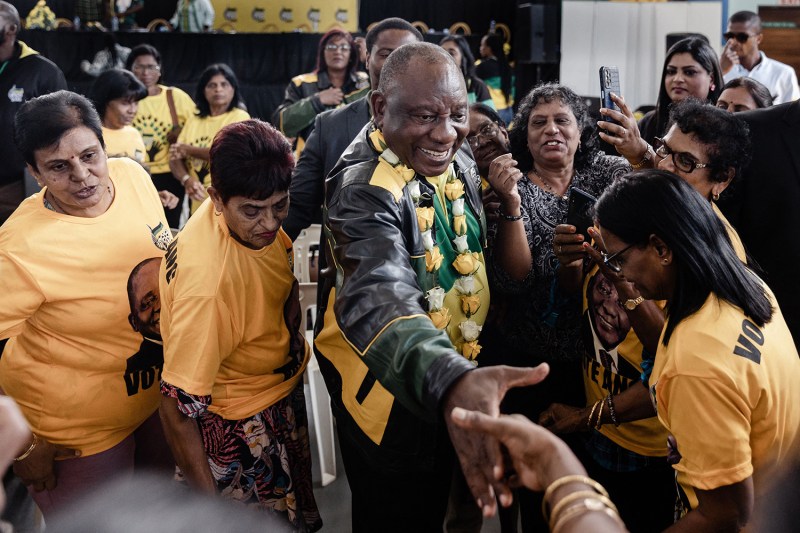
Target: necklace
(53, 205)
(549, 188)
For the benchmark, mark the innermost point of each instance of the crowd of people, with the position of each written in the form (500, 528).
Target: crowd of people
(509, 319)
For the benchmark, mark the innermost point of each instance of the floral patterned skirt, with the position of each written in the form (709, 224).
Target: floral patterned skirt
(263, 461)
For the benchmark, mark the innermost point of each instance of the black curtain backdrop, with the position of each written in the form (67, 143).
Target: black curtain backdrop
(263, 62)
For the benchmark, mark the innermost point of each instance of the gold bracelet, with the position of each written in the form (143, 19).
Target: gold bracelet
(588, 505)
(591, 414)
(599, 422)
(574, 478)
(565, 501)
(29, 450)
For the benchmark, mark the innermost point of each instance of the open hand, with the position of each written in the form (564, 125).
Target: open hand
(538, 456)
(482, 390)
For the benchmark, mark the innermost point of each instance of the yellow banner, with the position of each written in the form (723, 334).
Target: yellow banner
(315, 16)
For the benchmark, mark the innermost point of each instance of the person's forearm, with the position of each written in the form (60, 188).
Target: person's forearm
(178, 169)
(647, 319)
(511, 245)
(630, 405)
(197, 152)
(724, 509)
(512, 251)
(695, 521)
(186, 443)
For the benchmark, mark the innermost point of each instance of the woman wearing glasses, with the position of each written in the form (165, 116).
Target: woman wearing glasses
(706, 147)
(690, 69)
(335, 81)
(726, 369)
(163, 110)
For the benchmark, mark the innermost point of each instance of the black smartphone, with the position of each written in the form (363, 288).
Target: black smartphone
(579, 211)
(609, 83)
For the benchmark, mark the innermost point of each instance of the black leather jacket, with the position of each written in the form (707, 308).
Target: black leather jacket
(385, 364)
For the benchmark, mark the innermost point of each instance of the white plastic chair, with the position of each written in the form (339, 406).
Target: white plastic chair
(302, 245)
(318, 402)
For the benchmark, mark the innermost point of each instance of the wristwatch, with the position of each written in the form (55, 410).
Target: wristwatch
(632, 303)
(648, 155)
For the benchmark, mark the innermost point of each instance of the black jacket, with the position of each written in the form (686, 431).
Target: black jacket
(386, 366)
(764, 205)
(301, 103)
(26, 75)
(333, 131)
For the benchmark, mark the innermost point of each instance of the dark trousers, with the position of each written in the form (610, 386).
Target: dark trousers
(167, 182)
(645, 498)
(409, 501)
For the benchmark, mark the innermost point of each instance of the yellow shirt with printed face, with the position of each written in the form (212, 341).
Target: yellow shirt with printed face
(223, 322)
(124, 142)
(200, 132)
(154, 121)
(613, 362)
(727, 390)
(73, 362)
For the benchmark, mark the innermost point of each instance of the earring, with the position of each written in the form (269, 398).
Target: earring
(715, 196)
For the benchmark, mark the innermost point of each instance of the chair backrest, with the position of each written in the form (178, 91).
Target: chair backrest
(302, 252)
(308, 308)
(158, 24)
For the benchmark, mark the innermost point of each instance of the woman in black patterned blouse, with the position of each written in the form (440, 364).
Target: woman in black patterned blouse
(553, 149)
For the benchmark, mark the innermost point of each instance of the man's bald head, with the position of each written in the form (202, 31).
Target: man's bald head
(9, 13)
(421, 106)
(398, 63)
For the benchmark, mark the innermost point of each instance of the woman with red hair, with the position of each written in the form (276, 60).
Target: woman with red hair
(233, 406)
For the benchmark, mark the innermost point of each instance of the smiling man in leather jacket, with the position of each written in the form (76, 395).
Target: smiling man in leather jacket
(403, 298)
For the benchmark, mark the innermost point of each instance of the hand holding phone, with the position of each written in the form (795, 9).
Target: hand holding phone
(579, 211)
(609, 83)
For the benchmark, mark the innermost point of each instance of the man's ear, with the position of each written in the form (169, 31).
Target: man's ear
(132, 322)
(378, 103)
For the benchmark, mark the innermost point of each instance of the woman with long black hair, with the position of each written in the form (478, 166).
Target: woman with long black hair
(691, 69)
(726, 368)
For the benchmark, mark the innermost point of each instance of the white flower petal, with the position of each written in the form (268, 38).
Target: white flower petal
(460, 243)
(458, 207)
(427, 240)
(435, 298)
(470, 330)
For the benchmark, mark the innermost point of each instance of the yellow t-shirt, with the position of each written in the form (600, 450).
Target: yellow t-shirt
(73, 361)
(613, 362)
(728, 392)
(222, 318)
(736, 242)
(200, 132)
(154, 121)
(124, 142)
